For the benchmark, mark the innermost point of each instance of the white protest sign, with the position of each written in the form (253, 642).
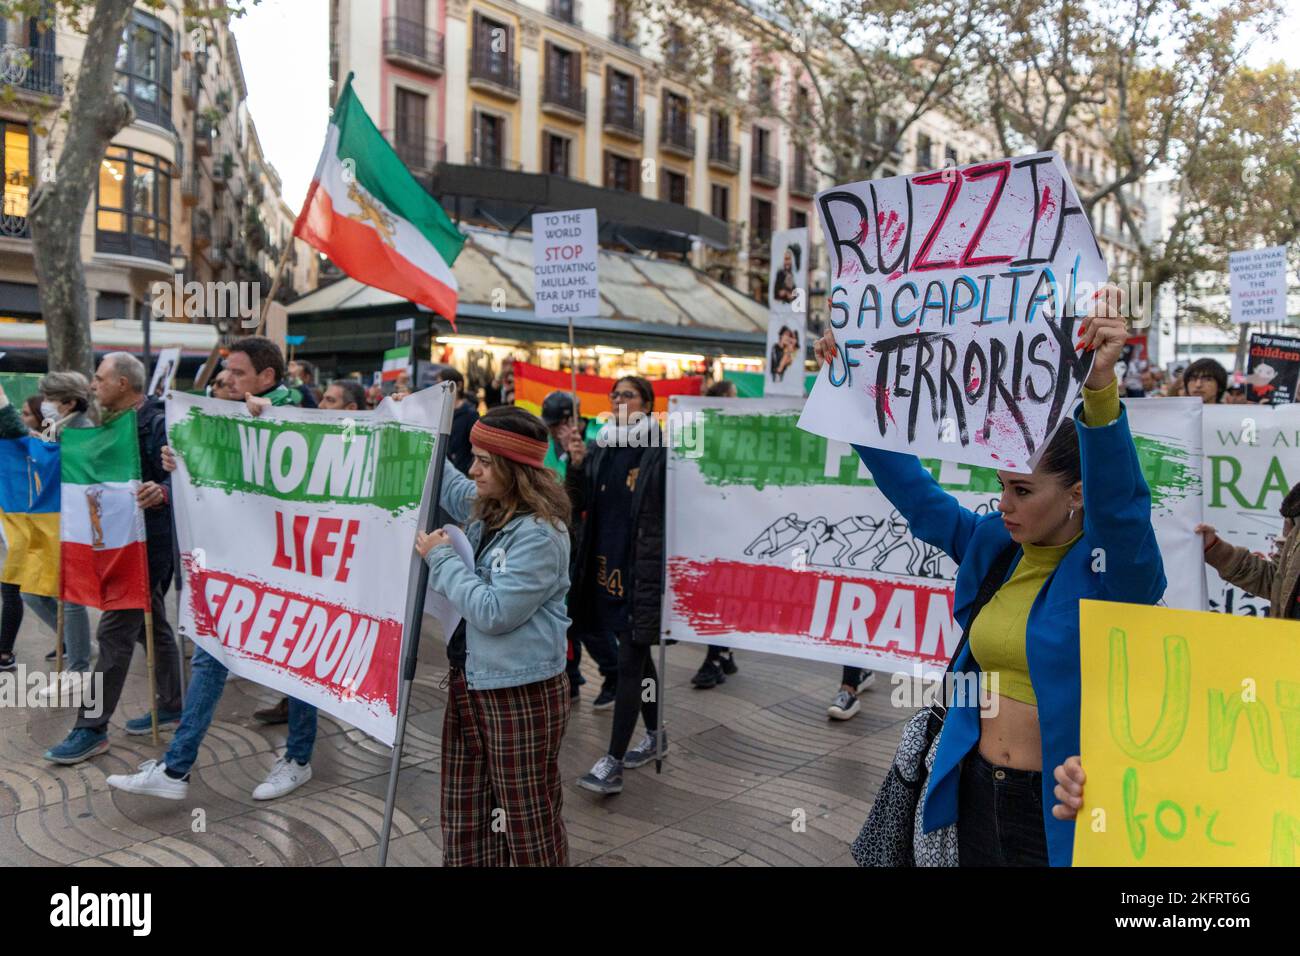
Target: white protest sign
(817, 563)
(296, 532)
(164, 372)
(956, 298)
(565, 249)
(787, 305)
(1258, 279)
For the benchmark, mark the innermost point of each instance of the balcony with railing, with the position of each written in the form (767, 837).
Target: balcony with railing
(191, 84)
(205, 133)
(190, 186)
(566, 11)
(420, 155)
(765, 169)
(32, 72)
(676, 136)
(411, 44)
(803, 179)
(13, 219)
(724, 155)
(622, 119)
(493, 72)
(760, 242)
(564, 97)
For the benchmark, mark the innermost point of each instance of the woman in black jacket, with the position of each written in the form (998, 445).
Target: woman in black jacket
(616, 484)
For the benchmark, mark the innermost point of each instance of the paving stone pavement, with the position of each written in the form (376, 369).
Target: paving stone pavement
(744, 758)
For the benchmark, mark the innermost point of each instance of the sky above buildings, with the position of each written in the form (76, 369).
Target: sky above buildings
(284, 48)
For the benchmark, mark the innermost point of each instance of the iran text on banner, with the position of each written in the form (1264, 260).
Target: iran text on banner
(778, 540)
(29, 513)
(533, 383)
(105, 564)
(296, 532)
(396, 361)
(1189, 737)
(369, 215)
(1252, 459)
(956, 297)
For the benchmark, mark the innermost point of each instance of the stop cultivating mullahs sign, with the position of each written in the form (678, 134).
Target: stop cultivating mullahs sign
(956, 297)
(296, 531)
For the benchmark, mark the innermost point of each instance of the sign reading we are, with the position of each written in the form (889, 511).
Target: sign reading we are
(956, 297)
(1190, 737)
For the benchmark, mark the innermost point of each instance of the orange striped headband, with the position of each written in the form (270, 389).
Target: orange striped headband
(511, 445)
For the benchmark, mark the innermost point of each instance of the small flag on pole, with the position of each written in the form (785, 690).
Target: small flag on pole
(105, 564)
(373, 219)
(29, 512)
(396, 361)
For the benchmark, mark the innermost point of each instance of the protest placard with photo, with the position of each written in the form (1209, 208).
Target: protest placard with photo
(164, 371)
(1191, 753)
(787, 313)
(816, 563)
(956, 298)
(296, 532)
(1273, 369)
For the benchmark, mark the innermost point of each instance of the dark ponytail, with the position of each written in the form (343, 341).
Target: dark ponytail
(1061, 458)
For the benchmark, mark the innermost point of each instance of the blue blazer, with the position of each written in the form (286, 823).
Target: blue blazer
(1116, 520)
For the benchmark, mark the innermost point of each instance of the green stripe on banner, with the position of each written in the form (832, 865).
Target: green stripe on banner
(108, 453)
(301, 461)
(382, 174)
(750, 384)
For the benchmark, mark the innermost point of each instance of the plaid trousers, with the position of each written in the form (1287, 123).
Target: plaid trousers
(501, 789)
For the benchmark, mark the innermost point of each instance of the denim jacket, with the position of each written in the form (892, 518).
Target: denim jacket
(513, 601)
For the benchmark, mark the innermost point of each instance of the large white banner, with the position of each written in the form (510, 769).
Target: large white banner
(297, 531)
(1252, 459)
(778, 540)
(956, 298)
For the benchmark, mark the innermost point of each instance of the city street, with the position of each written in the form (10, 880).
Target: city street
(744, 759)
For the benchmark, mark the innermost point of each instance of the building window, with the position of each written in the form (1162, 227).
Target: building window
(144, 68)
(798, 219)
(133, 205)
(621, 93)
(489, 140)
(761, 217)
(722, 70)
(563, 83)
(763, 87)
(950, 157)
(493, 57)
(720, 202)
(674, 187)
(556, 154)
(924, 159)
(410, 138)
(16, 163)
(677, 113)
(620, 173)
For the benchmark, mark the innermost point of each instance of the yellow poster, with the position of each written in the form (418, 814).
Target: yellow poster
(1190, 732)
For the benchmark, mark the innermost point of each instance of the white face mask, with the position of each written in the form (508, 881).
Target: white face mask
(49, 412)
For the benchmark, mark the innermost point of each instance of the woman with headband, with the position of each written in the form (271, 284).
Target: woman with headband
(508, 695)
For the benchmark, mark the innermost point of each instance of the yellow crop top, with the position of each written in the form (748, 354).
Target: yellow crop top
(997, 639)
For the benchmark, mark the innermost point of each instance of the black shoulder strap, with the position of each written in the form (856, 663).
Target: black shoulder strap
(994, 579)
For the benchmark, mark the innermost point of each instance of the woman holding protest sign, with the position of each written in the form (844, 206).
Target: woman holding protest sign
(508, 699)
(1077, 527)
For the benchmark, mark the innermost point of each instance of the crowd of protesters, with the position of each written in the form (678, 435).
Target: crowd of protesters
(579, 499)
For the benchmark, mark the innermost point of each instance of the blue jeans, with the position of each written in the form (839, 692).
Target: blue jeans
(76, 628)
(207, 681)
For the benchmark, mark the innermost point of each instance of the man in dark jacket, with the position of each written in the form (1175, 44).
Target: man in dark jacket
(462, 420)
(119, 386)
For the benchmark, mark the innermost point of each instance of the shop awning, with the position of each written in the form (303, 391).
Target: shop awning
(117, 335)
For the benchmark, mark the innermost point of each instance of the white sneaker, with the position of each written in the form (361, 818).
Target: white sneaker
(68, 690)
(285, 777)
(150, 781)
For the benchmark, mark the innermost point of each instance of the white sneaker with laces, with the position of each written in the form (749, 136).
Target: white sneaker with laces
(285, 777)
(151, 781)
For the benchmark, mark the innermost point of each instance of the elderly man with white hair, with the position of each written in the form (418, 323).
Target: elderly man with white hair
(119, 387)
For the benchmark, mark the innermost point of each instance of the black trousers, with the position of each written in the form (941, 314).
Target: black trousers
(999, 815)
(635, 666)
(11, 616)
(119, 632)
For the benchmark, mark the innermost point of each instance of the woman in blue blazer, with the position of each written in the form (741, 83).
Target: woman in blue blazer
(1081, 528)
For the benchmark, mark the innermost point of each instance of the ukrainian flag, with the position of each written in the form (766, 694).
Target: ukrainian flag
(29, 512)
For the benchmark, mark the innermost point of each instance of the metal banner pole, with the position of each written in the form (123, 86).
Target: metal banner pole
(418, 582)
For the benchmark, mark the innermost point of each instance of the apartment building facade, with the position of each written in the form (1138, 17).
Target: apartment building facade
(175, 188)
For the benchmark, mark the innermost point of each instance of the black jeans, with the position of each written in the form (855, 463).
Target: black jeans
(603, 648)
(999, 815)
(119, 632)
(11, 616)
(635, 665)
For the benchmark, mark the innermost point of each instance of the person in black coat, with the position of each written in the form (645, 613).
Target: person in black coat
(463, 418)
(616, 484)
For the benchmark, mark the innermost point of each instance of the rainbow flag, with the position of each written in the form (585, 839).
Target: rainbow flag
(533, 384)
(102, 527)
(29, 514)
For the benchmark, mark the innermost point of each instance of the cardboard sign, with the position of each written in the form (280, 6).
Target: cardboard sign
(956, 298)
(1273, 369)
(1190, 737)
(1258, 280)
(565, 252)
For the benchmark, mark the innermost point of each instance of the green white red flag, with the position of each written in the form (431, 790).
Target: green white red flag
(101, 526)
(373, 218)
